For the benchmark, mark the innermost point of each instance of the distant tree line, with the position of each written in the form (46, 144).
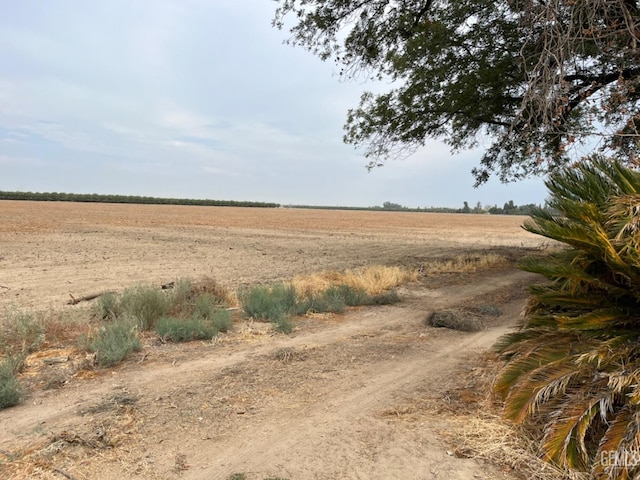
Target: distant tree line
(387, 206)
(96, 198)
(509, 208)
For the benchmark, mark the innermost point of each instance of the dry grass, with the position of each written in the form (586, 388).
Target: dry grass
(476, 429)
(70, 453)
(464, 263)
(209, 285)
(373, 280)
(486, 436)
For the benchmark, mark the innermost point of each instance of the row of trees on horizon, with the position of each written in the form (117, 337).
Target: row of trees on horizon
(509, 208)
(134, 199)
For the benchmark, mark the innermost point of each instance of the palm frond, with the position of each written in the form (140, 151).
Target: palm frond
(536, 388)
(575, 360)
(616, 447)
(564, 441)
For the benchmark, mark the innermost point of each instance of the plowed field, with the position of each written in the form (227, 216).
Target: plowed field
(51, 250)
(374, 393)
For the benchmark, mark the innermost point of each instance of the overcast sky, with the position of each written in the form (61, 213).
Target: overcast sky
(196, 99)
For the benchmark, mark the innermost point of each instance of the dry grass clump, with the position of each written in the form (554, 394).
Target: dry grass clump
(373, 280)
(106, 439)
(224, 295)
(486, 436)
(464, 263)
(455, 321)
(475, 428)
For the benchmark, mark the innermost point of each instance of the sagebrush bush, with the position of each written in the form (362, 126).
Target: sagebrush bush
(388, 298)
(327, 301)
(279, 302)
(185, 330)
(269, 303)
(114, 341)
(107, 307)
(205, 306)
(222, 320)
(353, 296)
(21, 331)
(144, 303)
(283, 323)
(181, 297)
(9, 384)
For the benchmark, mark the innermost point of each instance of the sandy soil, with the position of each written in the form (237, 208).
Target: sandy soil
(51, 250)
(365, 395)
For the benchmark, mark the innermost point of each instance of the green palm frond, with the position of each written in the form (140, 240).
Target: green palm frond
(575, 359)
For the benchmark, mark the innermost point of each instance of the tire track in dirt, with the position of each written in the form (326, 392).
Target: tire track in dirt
(320, 418)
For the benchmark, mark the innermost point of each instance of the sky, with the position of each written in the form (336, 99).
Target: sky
(197, 99)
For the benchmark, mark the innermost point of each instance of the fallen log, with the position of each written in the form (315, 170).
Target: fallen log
(86, 298)
(54, 360)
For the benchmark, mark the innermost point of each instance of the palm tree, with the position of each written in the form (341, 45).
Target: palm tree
(575, 360)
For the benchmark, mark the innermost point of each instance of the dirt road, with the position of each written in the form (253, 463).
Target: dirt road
(356, 396)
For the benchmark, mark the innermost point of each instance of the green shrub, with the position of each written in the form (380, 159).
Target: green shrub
(279, 302)
(146, 304)
(237, 476)
(328, 301)
(222, 320)
(181, 297)
(185, 330)
(205, 306)
(114, 342)
(107, 307)
(9, 385)
(352, 296)
(269, 303)
(21, 331)
(388, 298)
(283, 324)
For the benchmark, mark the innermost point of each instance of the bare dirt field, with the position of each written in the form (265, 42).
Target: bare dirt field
(370, 394)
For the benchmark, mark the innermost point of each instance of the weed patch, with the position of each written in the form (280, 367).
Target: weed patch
(107, 307)
(145, 304)
(9, 384)
(330, 300)
(21, 331)
(372, 280)
(269, 303)
(388, 298)
(113, 342)
(464, 263)
(185, 330)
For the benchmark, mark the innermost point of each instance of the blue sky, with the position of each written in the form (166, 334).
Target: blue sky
(196, 99)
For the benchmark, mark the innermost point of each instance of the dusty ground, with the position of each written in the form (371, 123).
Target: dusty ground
(370, 394)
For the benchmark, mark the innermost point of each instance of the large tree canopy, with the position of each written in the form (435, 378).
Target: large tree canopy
(545, 81)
